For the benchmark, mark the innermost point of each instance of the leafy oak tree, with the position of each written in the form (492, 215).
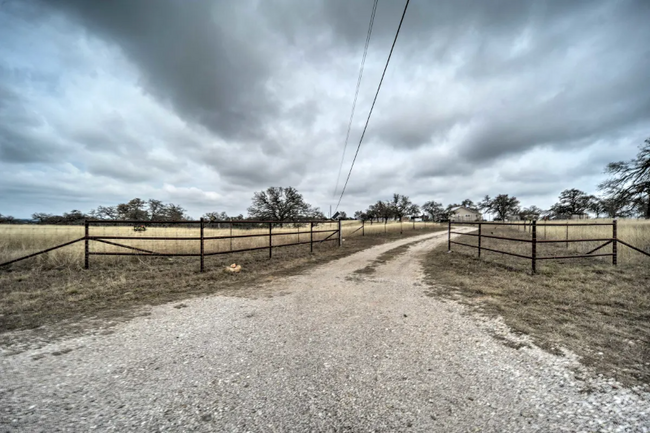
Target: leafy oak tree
(280, 204)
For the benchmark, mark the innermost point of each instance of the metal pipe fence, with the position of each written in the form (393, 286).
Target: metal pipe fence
(118, 237)
(534, 241)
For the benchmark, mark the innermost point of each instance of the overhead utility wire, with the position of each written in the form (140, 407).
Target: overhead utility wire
(356, 94)
(373, 104)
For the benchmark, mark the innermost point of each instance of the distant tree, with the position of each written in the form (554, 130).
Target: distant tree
(596, 205)
(360, 215)
(133, 210)
(156, 209)
(531, 213)
(413, 211)
(74, 217)
(631, 180)
(502, 206)
(41, 217)
(342, 215)
(469, 204)
(314, 213)
(105, 213)
(174, 212)
(434, 210)
(216, 216)
(617, 206)
(7, 219)
(383, 210)
(278, 204)
(400, 206)
(571, 202)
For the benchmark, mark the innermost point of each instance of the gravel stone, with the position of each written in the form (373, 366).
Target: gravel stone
(331, 352)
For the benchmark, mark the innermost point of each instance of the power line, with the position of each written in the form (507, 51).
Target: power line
(373, 103)
(356, 94)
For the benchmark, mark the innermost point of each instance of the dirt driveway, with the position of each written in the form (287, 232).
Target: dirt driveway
(331, 350)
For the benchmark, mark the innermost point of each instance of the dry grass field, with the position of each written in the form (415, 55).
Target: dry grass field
(55, 289)
(20, 240)
(632, 231)
(599, 311)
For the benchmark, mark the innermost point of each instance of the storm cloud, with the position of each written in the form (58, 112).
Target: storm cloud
(204, 102)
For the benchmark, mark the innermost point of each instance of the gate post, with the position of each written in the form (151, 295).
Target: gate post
(534, 243)
(311, 237)
(340, 234)
(363, 227)
(614, 246)
(202, 250)
(449, 237)
(86, 250)
(270, 240)
(479, 239)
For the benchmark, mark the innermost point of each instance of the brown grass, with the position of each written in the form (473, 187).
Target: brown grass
(20, 240)
(31, 297)
(600, 312)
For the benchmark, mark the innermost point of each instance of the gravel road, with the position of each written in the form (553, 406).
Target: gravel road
(329, 350)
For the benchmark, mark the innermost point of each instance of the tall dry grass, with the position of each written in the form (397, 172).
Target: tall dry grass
(20, 240)
(632, 231)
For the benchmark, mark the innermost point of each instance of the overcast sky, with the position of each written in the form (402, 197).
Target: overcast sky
(201, 103)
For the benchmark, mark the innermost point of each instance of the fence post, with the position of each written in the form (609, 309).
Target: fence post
(400, 226)
(86, 250)
(614, 247)
(231, 236)
(270, 240)
(385, 224)
(363, 227)
(449, 237)
(340, 234)
(202, 244)
(479, 240)
(414, 224)
(311, 237)
(534, 243)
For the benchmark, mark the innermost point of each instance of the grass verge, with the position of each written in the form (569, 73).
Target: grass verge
(30, 298)
(598, 311)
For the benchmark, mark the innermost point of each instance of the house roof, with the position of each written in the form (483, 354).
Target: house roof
(454, 209)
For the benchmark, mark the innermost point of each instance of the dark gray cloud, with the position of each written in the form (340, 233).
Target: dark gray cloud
(205, 102)
(190, 54)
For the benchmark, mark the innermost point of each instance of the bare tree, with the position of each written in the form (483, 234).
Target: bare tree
(7, 219)
(631, 180)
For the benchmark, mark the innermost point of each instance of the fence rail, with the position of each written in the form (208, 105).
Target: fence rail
(198, 241)
(533, 226)
(202, 238)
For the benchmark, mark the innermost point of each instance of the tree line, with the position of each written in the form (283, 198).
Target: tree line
(626, 193)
